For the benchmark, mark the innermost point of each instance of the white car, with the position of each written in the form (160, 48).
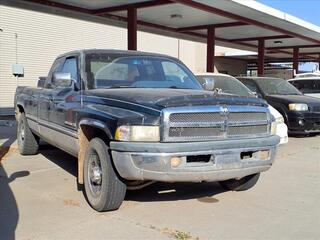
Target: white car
(230, 85)
(309, 86)
(282, 128)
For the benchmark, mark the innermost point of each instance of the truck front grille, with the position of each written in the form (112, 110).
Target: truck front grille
(214, 122)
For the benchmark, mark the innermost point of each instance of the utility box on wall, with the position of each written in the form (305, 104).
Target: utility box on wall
(17, 70)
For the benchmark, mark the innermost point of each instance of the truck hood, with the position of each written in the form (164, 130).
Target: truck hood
(287, 99)
(162, 98)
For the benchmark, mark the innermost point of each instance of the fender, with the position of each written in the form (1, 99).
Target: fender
(98, 124)
(283, 113)
(83, 141)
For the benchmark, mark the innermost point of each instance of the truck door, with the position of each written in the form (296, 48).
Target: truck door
(63, 99)
(46, 95)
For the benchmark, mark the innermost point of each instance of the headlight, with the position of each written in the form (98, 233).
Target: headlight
(298, 107)
(279, 120)
(138, 133)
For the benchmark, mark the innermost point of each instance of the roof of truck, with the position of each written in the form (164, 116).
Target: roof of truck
(114, 51)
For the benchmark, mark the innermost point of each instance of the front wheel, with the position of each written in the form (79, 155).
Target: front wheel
(104, 189)
(241, 184)
(28, 143)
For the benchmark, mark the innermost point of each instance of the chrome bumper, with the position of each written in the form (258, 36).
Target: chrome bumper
(152, 161)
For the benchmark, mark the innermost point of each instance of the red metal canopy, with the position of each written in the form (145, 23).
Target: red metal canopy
(245, 25)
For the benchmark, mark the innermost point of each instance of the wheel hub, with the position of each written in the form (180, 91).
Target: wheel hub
(22, 133)
(96, 175)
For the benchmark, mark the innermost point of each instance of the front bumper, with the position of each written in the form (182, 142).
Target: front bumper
(152, 161)
(303, 122)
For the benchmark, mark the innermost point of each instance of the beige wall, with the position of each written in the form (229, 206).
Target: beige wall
(41, 36)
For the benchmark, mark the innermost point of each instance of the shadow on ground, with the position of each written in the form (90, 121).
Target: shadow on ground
(152, 193)
(176, 191)
(9, 213)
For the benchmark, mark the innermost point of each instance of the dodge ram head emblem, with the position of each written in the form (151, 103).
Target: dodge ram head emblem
(224, 110)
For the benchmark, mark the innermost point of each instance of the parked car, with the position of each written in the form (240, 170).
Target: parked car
(230, 85)
(132, 117)
(309, 86)
(301, 113)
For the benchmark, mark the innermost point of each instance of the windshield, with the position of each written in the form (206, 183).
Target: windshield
(126, 71)
(307, 85)
(227, 84)
(276, 86)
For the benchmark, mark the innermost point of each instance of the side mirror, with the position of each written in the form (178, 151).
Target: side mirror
(208, 84)
(62, 79)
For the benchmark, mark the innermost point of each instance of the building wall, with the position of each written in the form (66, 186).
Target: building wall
(34, 38)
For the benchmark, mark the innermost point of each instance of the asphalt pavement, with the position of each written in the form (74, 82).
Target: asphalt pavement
(39, 199)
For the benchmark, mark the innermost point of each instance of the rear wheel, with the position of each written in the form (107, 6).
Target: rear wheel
(28, 143)
(241, 184)
(104, 189)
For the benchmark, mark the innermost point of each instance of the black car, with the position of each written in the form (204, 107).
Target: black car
(301, 113)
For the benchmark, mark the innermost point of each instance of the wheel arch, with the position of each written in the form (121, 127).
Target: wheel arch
(89, 129)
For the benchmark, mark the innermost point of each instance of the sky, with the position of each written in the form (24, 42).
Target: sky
(307, 10)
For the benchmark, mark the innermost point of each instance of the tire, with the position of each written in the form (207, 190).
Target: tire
(104, 189)
(242, 184)
(28, 143)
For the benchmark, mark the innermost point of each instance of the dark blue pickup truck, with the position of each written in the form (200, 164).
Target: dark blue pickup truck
(133, 118)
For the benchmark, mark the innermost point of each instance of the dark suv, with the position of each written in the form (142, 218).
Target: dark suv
(301, 113)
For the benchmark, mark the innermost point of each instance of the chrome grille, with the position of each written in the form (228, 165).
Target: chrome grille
(194, 117)
(247, 116)
(241, 130)
(316, 108)
(194, 132)
(214, 122)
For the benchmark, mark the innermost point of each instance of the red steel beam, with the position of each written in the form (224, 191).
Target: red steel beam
(257, 38)
(218, 25)
(213, 10)
(261, 52)
(290, 47)
(124, 7)
(151, 25)
(193, 34)
(210, 48)
(295, 62)
(132, 28)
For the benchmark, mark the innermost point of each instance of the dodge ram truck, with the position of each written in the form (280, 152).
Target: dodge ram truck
(132, 118)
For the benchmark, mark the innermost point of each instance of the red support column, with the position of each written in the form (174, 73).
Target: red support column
(132, 28)
(261, 51)
(295, 64)
(210, 48)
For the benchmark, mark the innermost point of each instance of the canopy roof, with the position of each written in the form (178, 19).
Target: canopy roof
(238, 23)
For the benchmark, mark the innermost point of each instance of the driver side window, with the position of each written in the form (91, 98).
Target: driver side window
(71, 66)
(56, 67)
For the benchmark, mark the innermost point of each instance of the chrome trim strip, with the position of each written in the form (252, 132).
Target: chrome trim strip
(58, 128)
